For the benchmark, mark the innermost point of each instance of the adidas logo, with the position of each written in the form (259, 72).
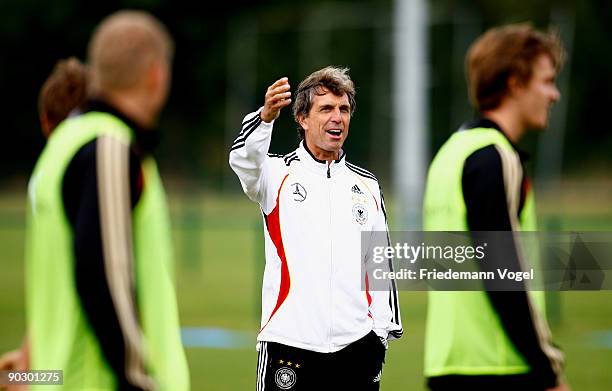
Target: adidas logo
(356, 189)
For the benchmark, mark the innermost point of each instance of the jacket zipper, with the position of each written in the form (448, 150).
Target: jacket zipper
(331, 279)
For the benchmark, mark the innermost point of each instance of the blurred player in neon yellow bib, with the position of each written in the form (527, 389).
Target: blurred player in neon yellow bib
(493, 340)
(100, 296)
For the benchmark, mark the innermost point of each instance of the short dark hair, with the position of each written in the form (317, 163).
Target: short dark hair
(504, 52)
(331, 78)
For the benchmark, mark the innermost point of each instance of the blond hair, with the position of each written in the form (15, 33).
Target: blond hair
(124, 46)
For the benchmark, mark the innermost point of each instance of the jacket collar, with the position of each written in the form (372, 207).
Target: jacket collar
(145, 140)
(319, 166)
(483, 122)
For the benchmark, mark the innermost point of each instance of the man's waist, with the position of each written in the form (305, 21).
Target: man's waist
(331, 344)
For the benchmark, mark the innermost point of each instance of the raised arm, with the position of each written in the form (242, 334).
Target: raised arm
(249, 151)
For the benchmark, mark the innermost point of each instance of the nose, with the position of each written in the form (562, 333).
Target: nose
(555, 94)
(335, 116)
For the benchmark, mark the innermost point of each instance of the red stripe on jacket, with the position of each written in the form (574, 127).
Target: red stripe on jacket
(273, 226)
(367, 292)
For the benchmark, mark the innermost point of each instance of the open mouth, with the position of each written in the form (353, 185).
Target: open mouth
(334, 132)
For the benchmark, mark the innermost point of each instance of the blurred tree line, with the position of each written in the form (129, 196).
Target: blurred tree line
(227, 53)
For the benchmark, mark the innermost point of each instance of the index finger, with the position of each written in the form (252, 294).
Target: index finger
(279, 82)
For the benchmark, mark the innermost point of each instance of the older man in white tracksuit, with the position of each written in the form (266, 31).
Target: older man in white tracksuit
(321, 327)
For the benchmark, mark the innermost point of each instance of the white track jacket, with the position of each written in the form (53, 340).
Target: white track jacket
(313, 285)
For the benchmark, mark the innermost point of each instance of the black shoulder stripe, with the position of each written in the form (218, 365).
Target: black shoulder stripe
(236, 146)
(361, 171)
(362, 174)
(291, 160)
(240, 141)
(248, 121)
(248, 130)
(289, 156)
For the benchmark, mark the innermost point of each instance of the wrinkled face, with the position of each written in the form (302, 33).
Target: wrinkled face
(539, 94)
(326, 125)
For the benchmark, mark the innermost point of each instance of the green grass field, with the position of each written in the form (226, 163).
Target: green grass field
(219, 262)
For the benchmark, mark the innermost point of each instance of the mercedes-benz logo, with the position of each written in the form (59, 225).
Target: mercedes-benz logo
(299, 192)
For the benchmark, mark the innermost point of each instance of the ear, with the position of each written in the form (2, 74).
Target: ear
(154, 75)
(45, 124)
(302, 121)
(515, 85)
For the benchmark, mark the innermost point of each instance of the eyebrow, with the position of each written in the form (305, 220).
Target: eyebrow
(329, 106)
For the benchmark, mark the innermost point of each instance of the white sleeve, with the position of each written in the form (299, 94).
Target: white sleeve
(249, 155)
(384, 306)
